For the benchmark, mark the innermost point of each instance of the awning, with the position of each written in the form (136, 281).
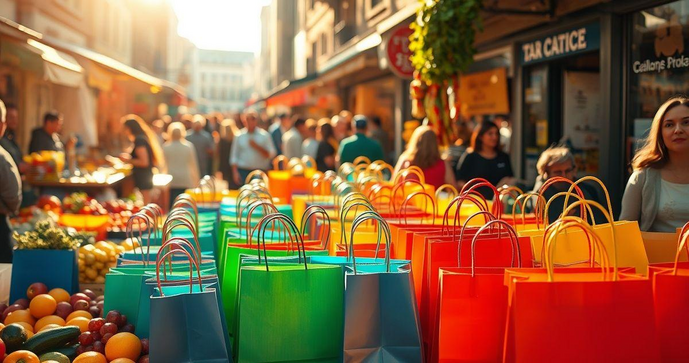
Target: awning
(54, 66)
(370, 42)
(292, 93)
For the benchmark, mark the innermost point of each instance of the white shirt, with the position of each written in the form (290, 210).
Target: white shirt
(291, 144)
(246, 157)
(673, 207)
(180, 158)
(310, 147)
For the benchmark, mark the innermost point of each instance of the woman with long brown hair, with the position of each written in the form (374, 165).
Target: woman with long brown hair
(657, 194)
(485, 159)
(422, 151)
(145, 153)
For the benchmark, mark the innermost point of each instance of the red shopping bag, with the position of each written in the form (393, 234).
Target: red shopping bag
(472, 309)
(579, 314)
(671, 297)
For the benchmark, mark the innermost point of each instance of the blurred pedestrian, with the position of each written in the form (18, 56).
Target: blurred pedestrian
(485, 159)
(293, 139)
(462, 132)
(9, 140)
(657, 193)
(341, 127)
(187, 120)
(204, 144)
(47, 138)
(158, 127)
(359, 144)
(228, 132)
(144, 155)
(279, 128)
(422, 151)
(252, 149)
(310, 144)
(180, 157)
(327, 146)
(376, 132)
(10, 193)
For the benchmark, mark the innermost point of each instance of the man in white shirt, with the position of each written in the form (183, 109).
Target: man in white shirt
(292, 140)
(252, 149)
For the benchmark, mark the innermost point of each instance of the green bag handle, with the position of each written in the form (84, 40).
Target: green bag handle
(383, 225)
(471, 196)
(191, 274)
(487, 217)
(293, 232)
(514, 242)
(310, 212)
(411, 196)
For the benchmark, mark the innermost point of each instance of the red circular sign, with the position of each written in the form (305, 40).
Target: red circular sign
(399, 53)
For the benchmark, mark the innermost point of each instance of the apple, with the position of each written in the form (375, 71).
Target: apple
(23, 303)
(10, 309)
(96, 324)
(81, 305)
(144, 346)
(79, 296)
(90, 294)
(94, 311)
(108, 328)
(35, 289)
(63, 309)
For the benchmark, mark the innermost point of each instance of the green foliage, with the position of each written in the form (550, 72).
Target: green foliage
(442, 44)
(46, 236)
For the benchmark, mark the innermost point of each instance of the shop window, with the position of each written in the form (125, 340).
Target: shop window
(323, 44)
(375, 7)
(658, 67)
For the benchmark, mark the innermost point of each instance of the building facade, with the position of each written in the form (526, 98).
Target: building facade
(220, 77)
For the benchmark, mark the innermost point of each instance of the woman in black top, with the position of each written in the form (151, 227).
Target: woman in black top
(484, 159)
(144, 155)
(327, 146)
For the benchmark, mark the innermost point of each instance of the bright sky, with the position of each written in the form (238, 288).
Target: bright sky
(221, 24)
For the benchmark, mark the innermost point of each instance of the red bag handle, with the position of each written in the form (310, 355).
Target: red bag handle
(310, 212)
(516, 251)
(411, 196)
(497, 206)
(174, 242)
(471, 196)
(181, 223)
(402, 185)
(191, 260)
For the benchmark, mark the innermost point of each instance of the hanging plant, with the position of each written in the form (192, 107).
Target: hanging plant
(442, 47)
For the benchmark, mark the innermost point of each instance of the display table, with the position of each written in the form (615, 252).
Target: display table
(73, 184)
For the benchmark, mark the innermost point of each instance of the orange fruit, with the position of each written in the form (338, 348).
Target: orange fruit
(42, 305)
(82, 323)
(49, 326)
(20, 316)
(122, 360)
(50, 319)
(90, 357)
(59, 295)
(123, 345)
(26, 326)
(23, 356)
(79, 314)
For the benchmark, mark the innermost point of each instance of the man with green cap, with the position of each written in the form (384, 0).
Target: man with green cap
(359, 144)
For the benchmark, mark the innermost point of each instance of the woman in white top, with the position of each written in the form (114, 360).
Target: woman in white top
(657, 194)
(180, 156)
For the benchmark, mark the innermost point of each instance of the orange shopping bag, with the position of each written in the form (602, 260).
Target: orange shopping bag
(472, 308)
(579, 314)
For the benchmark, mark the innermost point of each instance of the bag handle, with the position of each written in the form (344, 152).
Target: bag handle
(307, 160)
(129, 233)
(382, 226)
(410, 170)
(362, 160)
(172, 243)
(582, 212)
(497, 206)
(191, 261)
(175, 223)
(248, 198)
(257, 174)
(280, 162)
(451, 188)
(559, 179)
(567, 222)
(411, 196)
(378, 189)
(182, 213)
(348, 198)
(207, 183)
(402, 185)
(289, 224)
(549, 230)
(514, 242)
(605, 191)
(607, 217)
(487, 217)
(538, 206)
(252, 207)
(471, 196)
(343, 217)
(381, 166)
(345, 170)
(310, 212)
(683, 237)
(471, 182)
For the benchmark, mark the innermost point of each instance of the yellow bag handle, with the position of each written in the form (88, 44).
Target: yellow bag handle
(569, 222)
(574, 195)
(362, 160)
(381, 166)
(262, 175)
(451, 188)
(540, 200)
(280, 159)
(306, 160)
(592, 178)
(683, 238)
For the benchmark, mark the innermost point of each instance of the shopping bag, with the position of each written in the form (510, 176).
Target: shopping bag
(186, 326)
(671, 294)
(472, 308)
(289, 312)
(579, 314)
(661, 247)
(54, 268)
(380, 316)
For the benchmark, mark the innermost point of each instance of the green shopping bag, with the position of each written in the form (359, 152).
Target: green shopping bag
(290, 312)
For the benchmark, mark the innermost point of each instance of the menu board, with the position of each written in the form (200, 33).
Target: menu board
(582, 117)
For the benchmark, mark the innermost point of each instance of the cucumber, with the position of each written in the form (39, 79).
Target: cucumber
(51, 339)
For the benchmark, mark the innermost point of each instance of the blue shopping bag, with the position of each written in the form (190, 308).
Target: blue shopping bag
(55, 268)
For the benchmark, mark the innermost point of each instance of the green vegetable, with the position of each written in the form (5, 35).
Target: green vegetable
(14, 336)
(56, 356)
(70, 351)
(51, 339)
(46, 236)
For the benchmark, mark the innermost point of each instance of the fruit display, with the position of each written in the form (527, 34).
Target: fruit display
(118, 211)
(46, 235)
(95, 260)
(46, 165)
(28, 217)
(113, 337)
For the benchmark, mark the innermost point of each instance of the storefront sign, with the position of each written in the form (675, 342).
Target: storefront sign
(484, 93)
(398, 52)
(562, 44)
(668, 49)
